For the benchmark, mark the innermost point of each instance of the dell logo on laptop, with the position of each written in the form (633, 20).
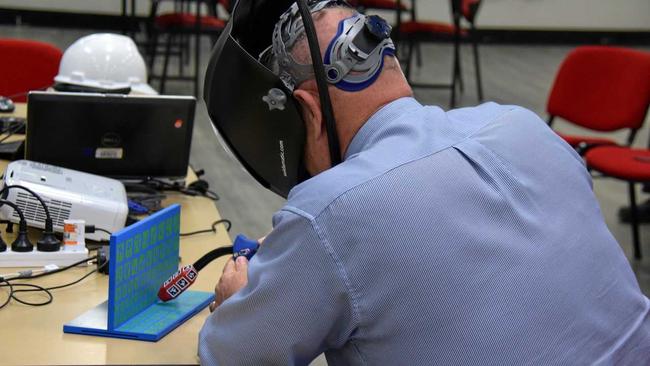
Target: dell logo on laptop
(111, 139)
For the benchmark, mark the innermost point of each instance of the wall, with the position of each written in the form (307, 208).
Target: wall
(106, 7)
(632, 15)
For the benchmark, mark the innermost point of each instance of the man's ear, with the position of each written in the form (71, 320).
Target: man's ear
(311, 112)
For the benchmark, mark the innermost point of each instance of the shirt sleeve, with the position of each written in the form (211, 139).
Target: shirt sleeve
(296, 303)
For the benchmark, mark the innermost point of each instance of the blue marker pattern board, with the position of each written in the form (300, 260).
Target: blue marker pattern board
(142, 257)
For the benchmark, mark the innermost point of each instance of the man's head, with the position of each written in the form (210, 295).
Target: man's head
(266, 123)
(365, 88)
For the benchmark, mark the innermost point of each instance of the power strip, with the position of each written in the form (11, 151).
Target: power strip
(35, 258)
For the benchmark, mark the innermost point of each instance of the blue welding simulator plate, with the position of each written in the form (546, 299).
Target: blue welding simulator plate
(142, 257)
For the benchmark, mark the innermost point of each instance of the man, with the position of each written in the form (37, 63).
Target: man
(464, 237)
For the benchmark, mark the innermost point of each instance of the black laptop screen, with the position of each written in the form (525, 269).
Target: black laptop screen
(124, 137)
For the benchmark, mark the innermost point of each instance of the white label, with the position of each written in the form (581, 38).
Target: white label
(109, 153)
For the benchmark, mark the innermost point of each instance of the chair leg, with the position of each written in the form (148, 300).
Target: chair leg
(477, 69)
(197, 55)
(458, 60)
(418, 54)
(455, 73)
(408, 61)
(163, 78)
(181, 55)
(634, 220)
(186, 52)
(152, 50)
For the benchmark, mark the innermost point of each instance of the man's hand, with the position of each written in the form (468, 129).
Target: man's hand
(233, 279)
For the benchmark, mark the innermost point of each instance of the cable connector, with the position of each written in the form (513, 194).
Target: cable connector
(89, 229)
(51, 267)
(25, 274)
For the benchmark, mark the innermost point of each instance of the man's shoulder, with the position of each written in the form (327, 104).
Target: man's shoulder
(483, 113)
(437, 132)
(311, 197)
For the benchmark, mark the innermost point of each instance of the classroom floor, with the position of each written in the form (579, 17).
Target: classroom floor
(512, 74)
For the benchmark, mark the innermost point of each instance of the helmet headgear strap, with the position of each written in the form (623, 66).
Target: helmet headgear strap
(319, 73)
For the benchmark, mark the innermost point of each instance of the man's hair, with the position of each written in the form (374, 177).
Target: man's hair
(300, 49)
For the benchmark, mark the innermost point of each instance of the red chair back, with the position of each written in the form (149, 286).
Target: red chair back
(465, 9)
(26, 65)
(227, 4)
(602, 88)
(469, 8)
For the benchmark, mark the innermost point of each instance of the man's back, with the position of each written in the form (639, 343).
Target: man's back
(468, 237)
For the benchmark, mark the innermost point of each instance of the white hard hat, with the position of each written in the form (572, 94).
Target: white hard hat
(104, 61)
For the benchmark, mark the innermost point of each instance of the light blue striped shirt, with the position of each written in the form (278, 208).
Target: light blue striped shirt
(469, 237)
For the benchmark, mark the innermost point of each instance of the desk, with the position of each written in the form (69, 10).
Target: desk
(34, 335)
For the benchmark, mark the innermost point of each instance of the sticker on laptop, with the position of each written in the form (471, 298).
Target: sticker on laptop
(109, 153)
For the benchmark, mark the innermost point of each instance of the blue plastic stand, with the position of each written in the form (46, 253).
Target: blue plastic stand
(142, 257)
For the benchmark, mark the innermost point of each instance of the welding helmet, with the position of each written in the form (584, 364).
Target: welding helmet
(251, 76)
(104, 63)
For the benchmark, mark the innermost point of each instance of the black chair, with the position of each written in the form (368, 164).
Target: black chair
(413, 32)
(179, 26)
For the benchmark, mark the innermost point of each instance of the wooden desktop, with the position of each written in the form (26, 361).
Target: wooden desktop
(34, 335)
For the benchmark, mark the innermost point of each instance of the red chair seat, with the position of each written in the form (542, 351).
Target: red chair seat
(381, 4)
(620, 162)
(416, 27)
(26, 65)
(575, 140)
(186, 20)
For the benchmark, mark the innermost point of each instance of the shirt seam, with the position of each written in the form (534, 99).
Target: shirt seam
(354, 298)
(342, 274)
(417, 158)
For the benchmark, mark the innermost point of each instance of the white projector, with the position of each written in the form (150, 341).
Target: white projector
(68, 194)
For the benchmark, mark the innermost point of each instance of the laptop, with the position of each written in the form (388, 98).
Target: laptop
(119, 136)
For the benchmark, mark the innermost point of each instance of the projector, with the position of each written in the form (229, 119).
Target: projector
(68, 194)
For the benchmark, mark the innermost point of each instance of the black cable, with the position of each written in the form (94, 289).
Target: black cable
(210, 256)
(197, 188)
(211, 195)
(11, 291)
(67, 284)
(10, 131)
(103, 230)
(9, 124)
(319, 73)
(57, 270)
(18, 210)
(48, 241)
(27, 92)
(90, 229)
(34, 288)
(213, 228)
(34, 194)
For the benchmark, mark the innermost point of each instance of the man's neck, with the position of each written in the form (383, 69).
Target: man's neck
(360, 111)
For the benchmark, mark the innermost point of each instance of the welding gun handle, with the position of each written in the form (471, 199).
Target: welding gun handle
(244, 246)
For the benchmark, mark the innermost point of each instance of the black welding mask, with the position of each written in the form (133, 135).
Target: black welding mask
(252, 107)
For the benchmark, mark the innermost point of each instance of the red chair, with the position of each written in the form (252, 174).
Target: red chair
(603, 89)
(178, 26)
(415, 31)
(624, 163)
(26, 65)
(607, 89)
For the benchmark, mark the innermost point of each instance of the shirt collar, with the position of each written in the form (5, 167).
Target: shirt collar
(378, 121)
